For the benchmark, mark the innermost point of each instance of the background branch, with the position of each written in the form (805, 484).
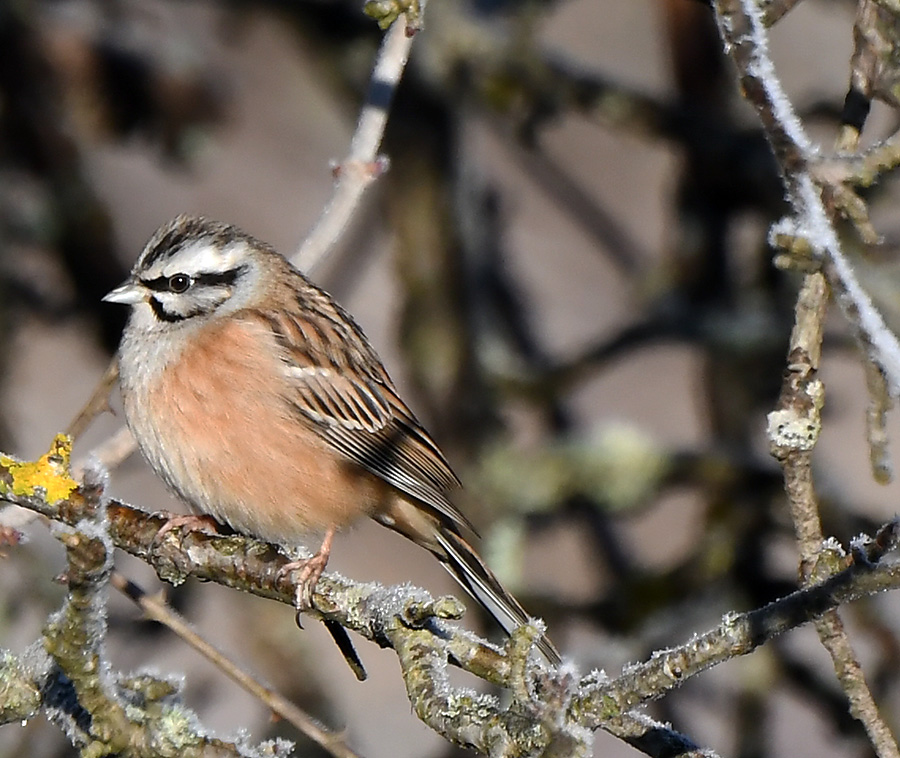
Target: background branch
(363, 164)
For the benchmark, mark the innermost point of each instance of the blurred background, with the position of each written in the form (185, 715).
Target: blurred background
(565, 270)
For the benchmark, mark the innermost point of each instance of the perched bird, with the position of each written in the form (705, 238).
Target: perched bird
(261, 403)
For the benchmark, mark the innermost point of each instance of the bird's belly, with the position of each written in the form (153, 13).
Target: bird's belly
(232, 448)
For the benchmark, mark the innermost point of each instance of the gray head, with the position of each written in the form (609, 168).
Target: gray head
(190, 268)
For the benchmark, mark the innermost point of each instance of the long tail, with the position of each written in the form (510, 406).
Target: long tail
(466, 566)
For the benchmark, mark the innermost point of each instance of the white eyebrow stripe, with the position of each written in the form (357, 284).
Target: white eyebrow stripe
(204, 256)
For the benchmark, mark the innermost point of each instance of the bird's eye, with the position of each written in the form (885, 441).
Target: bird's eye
(179, 283)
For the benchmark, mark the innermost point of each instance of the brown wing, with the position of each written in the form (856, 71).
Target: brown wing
(339, 385)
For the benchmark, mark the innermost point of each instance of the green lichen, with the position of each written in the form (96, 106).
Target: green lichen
(386, 12)
(177, 728)
(19, 696)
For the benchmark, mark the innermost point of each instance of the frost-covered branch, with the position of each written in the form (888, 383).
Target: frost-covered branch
(549, 710)
(156, 609)
(20, 687)
(101, 712)
(818, 191)
(742, 27)
(793, 431)
(739, 634)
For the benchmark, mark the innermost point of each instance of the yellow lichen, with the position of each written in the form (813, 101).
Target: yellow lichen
(50, 473)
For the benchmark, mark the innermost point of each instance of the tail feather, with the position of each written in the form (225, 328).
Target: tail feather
(465, 565)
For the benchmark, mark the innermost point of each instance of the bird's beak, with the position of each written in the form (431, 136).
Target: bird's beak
(129, 293)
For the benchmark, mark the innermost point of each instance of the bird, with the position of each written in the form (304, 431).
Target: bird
(261, 403)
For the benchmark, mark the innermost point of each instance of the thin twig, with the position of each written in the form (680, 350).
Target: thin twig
(363, 165)
(116, 448)
(859, 169)
(775, 10)
(880, 402)
(112, 452)
(98, 402)
(156, 609)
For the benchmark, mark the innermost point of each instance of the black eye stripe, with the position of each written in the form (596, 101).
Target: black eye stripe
(160, 284)
(220, 278)
(209, 279)
(172, 318)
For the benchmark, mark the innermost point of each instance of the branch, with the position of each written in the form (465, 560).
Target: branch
(406, 619)
(549, 710)
(106, 714)
(20, 695)
(742, 28)
(156, 609)
(799, 408)
(775, 10)
(794, 426)
(739, 634)
(363, 165)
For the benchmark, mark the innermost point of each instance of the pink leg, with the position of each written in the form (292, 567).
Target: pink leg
(309, 570)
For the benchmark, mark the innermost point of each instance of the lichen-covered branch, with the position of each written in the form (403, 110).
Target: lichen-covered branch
(739, 634)
(795, 424)
(20, 693)
(108, 715)
(550, 713)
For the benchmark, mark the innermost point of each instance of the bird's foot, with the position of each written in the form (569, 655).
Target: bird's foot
(308, 571)
(189, 523)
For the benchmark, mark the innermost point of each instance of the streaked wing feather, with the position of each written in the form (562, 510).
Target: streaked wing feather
(339, 384)
(328, 397)
(403, 457)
